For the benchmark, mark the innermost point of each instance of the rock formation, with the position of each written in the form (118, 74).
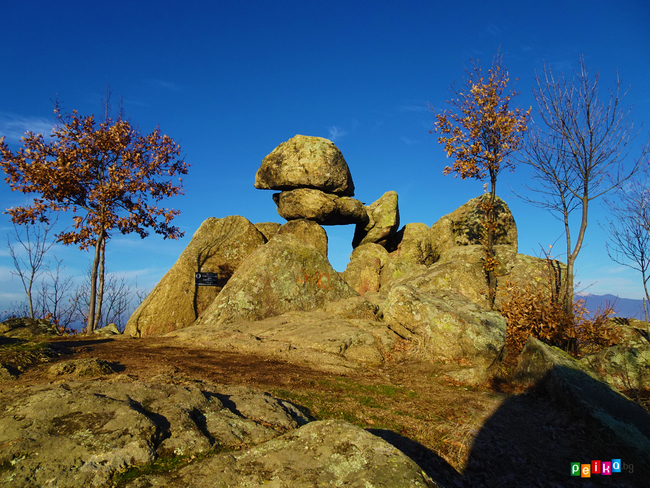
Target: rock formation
(383, 221)
(218, 246)
(283, 275)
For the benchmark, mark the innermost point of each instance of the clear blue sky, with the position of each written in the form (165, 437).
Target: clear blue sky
(230, 80)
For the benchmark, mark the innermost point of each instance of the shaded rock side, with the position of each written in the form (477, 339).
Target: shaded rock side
(323, 453)
(306, 162)
(283, 275)
(321, 207)
(268, 229)
(465, 226)
(81, 434)
(218, 246)
(448, 326)
(383, 221)
(580, 391)
(27, 328)
(307, 230)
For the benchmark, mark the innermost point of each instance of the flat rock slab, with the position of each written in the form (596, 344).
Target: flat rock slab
(320, 340)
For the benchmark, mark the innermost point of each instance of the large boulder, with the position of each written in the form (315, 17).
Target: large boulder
(449, 327)
(465, 226)
(582, 392)
(307, 230)
(383, 221)
(306, 162)
(283, 275)
(268, 229)
(28, 328)
(324, 208)
(218, 246)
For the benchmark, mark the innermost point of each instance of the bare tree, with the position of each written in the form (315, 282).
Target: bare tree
(576, 150)
(55, 298)
(30, 263)
(629, 231)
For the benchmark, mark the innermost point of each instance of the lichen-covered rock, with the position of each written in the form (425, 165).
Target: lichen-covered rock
(321, 207)
(218, 246)
(268, 229)
(324, 453)
(413, 243)
(81, 367)
(505, 255)
(27, 328)
(448, 326)
(581, 391)
(81, 434)
(307, 230)
(306, 162)
(283, 275)
(329, 341)
(383, 221)
(364, 269)
(465, 278)
(465, 226)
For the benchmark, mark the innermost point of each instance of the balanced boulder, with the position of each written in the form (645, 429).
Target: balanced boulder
(283, 275)
(218, 246)
(306, 162)
(307, 230)
(321, 207)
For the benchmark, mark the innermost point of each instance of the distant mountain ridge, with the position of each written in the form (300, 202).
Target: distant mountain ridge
(624, 307)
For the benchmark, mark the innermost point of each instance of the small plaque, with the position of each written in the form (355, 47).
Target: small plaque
(206, 279)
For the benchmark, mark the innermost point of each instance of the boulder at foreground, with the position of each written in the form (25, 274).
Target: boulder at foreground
(285, 274)
(383, 221)
(449, 327)
(82, 433)
(218, 246)
(321, 207)
(325, 453)
(27, 328)
(306, 162)
(466, 226)
(580, 390)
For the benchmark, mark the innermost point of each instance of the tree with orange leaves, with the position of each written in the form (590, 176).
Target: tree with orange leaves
(480, 136)
(109, 175)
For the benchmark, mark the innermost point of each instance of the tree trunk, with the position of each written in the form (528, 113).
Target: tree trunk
(100, 291)
(90, 324)
(489, 249)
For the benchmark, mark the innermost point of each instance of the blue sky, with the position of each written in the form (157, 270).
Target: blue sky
(230, 80)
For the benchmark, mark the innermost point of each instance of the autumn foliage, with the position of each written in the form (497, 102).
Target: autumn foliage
(107, 174)
(536, 309)
(479, 134)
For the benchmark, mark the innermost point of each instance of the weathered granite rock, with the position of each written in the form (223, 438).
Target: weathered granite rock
(321, 207)
(448, 326)
(465, 278)
(27, 328)
(475, 254)
(413, 243)
(81, 367)
(283, 275)
(218, 246)
(268, 229)
(306, 162)
(307, 230)
(625, 365)
(465, 226)
(383, 221)
(322, 340)
(580, 391)
(364, 269)
(109, 330)
(80, 434)
(324, 453)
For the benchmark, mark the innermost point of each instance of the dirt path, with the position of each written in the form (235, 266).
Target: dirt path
(460, 436)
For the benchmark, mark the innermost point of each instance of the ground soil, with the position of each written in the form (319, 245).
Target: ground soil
(494, 435)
